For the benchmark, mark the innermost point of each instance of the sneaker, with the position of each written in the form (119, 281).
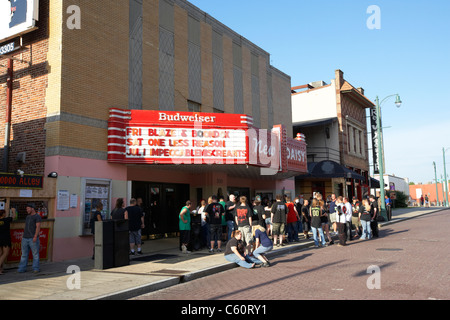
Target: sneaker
(211, 250)
(132, 253)
(219, 250)
(139, 252)
(266, 264)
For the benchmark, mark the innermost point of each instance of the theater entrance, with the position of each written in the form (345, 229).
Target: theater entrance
(162, 202)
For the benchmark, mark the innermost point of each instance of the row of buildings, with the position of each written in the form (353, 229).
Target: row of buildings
(160, 101)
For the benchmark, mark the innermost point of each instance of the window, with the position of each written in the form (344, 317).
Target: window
(194, 106)
(355, 140)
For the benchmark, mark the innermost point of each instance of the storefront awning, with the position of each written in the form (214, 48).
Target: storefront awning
(241, 171)
(375, 184)
(330, 169)
(313, 123)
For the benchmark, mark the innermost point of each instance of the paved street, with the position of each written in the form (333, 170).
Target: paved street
(412, 257)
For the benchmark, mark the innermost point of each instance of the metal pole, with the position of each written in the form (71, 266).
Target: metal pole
(445, 180)
(380, 162)
(9, 90)
(435, 178)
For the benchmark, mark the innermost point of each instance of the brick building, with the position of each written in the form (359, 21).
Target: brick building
(83, 59)
(333, 117)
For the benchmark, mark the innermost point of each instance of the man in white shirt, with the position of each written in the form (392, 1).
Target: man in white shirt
(348, 218)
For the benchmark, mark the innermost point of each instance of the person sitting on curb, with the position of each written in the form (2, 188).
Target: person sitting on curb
(234, 252)
(263, 245)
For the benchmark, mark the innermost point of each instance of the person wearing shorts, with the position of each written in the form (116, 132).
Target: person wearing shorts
(135, 223)
(214, 213)
(278, 217)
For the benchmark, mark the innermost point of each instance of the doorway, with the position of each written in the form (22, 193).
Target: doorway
(162, 202)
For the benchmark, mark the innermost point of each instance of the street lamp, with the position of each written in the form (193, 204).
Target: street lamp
(398, 103)
(445, 179)
(435, 178)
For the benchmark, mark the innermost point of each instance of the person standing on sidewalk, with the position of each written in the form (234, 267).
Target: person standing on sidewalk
(135, 218)
(341, 222)
(348, 218)
(364, 218)
(185, 226)
(332, 211)
(278, 219)
(315, 212)
(356, 205)
(306, 220)
(388, 202)
(215, 212)
(5, 238)
(229, 215)
(30, 239)
(118, 211)
(291, 221)
(373, 216)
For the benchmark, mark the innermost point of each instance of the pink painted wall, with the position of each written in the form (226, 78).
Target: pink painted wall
(72, 248)
(80, 167)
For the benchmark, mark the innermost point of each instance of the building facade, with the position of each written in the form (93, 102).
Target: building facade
(333, 118)
(84, 60)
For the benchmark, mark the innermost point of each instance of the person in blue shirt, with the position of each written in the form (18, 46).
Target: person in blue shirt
(388, 202)
(263, 245)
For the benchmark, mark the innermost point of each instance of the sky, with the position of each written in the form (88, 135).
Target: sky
(408, 53)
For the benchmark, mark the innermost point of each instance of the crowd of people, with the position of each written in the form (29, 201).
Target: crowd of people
(252, 228)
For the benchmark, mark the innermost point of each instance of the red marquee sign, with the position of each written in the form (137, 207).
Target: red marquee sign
(137, 136)
(168, 137)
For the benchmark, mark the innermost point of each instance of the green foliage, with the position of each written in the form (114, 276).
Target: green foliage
(402, 200)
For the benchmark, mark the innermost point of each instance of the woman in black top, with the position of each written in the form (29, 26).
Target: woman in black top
(96, 216)
(119, 210)
(305, 218)
(5, 238)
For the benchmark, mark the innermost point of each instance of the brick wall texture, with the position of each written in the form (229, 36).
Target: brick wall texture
(61, 101)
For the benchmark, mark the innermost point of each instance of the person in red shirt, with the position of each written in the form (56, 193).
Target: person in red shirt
(291, 221)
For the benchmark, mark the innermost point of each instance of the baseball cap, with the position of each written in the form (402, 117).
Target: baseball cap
(31, 205)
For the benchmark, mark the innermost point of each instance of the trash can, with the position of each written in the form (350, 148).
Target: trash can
(111, 244)
(104, 245)
(121, 243)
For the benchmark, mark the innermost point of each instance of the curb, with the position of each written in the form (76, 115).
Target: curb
(385, 223)
(172, 281)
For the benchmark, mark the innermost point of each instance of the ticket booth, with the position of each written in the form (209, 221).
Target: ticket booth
(16, 192)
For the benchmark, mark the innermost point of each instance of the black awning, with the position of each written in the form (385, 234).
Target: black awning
(330, 169)
(375, 184)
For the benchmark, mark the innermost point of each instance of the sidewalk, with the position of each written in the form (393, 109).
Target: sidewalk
(161, 266)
